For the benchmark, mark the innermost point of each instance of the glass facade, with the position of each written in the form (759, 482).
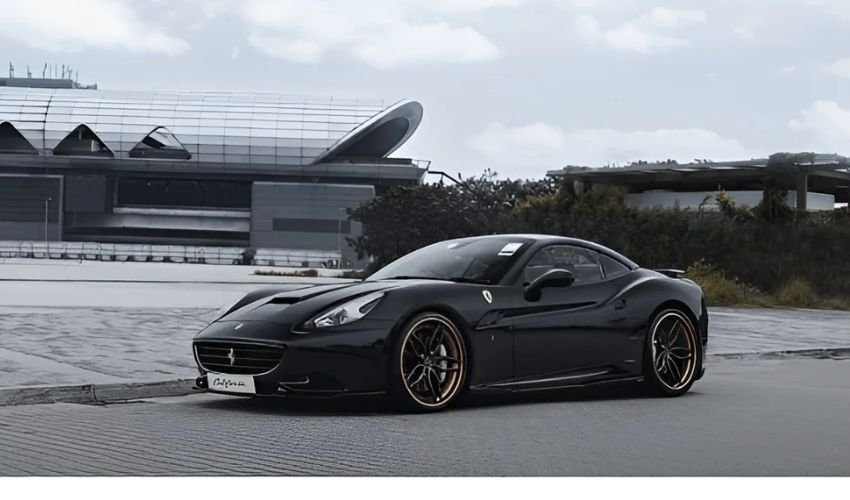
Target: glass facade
(215, 127)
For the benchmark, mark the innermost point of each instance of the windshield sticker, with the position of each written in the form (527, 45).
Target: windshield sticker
(509, 249)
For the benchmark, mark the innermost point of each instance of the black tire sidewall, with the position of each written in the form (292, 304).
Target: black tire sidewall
(396, 389)
(650, 377)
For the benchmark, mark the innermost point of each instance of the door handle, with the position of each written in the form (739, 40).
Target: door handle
(619, 304)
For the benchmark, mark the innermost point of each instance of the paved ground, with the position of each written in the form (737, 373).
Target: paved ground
(55, 345)
(755, 417)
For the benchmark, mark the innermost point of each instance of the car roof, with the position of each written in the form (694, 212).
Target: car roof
(548, 239)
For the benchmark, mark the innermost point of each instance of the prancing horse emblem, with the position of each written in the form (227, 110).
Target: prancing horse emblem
(231, 356)
(487, 296)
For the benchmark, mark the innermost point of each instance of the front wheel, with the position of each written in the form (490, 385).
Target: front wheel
(671, 353)
(429, 363)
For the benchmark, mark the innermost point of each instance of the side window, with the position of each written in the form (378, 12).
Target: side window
(611, 267)
(583, 263)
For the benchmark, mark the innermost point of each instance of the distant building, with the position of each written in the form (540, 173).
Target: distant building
(819, 181)
(194, 168)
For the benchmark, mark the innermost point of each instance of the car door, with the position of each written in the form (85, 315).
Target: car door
(569, 329)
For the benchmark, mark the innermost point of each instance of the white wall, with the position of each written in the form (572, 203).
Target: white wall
(669, 199)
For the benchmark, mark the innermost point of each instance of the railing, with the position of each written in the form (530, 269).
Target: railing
(167, 253)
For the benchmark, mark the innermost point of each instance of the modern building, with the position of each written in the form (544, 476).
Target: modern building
(819, 181)
(194, 168)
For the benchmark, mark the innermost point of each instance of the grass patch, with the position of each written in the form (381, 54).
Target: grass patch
(721, 290)
(797, 293)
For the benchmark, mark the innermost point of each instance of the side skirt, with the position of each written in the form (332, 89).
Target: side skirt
(549, 384)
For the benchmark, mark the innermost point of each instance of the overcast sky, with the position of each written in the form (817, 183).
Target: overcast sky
(519, 86)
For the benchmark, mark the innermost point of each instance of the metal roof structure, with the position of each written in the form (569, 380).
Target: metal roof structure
(206, 127)
(822, 173)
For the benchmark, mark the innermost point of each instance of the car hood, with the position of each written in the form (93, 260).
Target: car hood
(294, 307)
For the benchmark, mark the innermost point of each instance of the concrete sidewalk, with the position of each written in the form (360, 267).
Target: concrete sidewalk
(66, 333)
(156, 272)
(107, 345)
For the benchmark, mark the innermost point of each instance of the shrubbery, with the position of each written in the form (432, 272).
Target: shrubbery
(770, 247)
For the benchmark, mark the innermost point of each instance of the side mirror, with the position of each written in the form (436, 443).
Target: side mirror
(554, 278)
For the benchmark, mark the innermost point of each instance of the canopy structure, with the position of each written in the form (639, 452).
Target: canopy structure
(209, 127)
(815, 173)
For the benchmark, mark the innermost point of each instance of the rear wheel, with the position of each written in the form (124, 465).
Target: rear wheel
(429, 365)
(671, 353)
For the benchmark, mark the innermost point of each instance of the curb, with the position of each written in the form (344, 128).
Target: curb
(94, 393)
(825, 353)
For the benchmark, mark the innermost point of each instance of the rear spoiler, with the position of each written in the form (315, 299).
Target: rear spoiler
(670, 273)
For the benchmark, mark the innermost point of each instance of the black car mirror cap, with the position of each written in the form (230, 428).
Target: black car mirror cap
(554, 278)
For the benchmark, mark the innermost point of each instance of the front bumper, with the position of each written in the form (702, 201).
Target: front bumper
(342, 361)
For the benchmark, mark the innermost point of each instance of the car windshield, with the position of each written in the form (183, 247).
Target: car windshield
(470, 260)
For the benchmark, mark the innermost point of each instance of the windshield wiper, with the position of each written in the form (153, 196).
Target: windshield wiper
(456, 279)
(461, 279)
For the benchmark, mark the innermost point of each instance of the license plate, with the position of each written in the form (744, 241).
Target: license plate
(236, 384)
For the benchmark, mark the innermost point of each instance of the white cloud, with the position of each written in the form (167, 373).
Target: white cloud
(840, 68)
(459, 6)
(825, 125)
(645, 34)
(531, 150)
(789, 69)
(744, 32)
(379, 33)
(437, 42)
(295, 50)
(73, 25)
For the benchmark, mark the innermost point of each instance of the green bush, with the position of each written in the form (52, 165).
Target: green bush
(765, 247)
(720, 290)
(797, 293)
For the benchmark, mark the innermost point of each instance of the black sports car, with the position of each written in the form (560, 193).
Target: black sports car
(500, 313)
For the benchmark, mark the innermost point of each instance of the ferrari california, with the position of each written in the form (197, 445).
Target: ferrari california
(490, 313)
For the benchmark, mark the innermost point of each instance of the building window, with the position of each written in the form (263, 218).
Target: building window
(182, 193)
(82, 142)
(312, 226)
(160, 144)
(13, 143)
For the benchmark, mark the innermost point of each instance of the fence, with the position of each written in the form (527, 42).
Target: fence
(166, 253)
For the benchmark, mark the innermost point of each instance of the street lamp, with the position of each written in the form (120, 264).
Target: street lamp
(46, 212)
(339, 237)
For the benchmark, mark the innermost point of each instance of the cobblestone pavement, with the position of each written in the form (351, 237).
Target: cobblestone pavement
(49, 345)
(787, 417)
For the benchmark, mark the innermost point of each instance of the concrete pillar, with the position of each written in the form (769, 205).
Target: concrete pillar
(578, 186)
(802, 190)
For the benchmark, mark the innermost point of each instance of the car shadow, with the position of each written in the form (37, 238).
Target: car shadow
(377, 405)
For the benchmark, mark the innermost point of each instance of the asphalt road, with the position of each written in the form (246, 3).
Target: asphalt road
(748, 416)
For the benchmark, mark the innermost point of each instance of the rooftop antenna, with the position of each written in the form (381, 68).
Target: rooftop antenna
(44, 71)
(29, 73)
(63, 72)
(11, 70)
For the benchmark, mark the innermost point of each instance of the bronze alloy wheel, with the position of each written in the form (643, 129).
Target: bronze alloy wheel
(673, 351)
(432, 361)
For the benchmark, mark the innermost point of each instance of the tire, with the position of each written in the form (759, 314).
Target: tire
(429, 364)
(672, 354)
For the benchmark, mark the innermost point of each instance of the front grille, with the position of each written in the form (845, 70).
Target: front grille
(237, 358)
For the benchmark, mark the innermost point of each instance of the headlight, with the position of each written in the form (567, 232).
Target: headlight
(347, 312)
